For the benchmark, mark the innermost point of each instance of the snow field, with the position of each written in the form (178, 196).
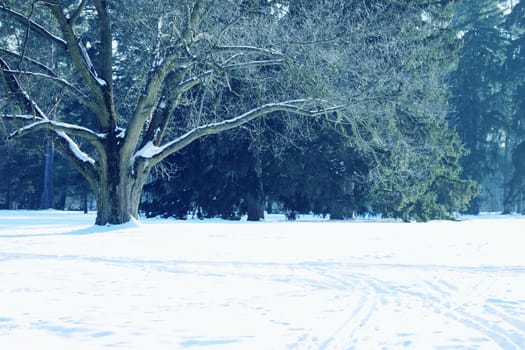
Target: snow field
(157, 284)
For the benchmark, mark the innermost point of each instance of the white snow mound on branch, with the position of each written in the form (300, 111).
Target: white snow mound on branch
(73, 146)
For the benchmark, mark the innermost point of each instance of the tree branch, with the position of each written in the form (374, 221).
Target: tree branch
(187, 84)
(261, 63)
(29, 60)
(75, 15)
(106, 43)
(60, 82)
(20, 94)
(22, 117)
(81, 63)
(46, 124)
(82, 162)
(79, 158)
(247, 49)
(37, 28)
(159, 121)
(150, 154)
(149, 98)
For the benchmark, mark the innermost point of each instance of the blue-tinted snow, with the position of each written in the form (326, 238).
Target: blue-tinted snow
(312, 284)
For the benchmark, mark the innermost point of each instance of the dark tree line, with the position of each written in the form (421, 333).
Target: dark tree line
(488, 95)
(403, 174)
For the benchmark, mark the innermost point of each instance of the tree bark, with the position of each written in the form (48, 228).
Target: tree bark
(119, 187)
(47, 192)
(118, 201)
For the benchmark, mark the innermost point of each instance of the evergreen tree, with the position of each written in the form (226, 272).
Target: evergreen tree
(487, 97)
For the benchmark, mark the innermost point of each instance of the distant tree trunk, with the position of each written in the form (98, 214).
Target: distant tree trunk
(12, 204)
(85, 202)
(336, 211)
(47, 192)
(255, 195)
(515, 185)
(255, 207)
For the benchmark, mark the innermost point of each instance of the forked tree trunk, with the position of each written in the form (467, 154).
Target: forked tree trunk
(118, 190)
(118, 202)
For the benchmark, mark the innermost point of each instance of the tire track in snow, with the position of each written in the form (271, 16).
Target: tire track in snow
(504, 337)
(434, 293)
(441, 300)
(494, 332)
(517, 324)
(345, 336)
(439, 296)
(506, 330)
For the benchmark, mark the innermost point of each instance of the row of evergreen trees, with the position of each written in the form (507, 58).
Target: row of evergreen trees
(488, 90)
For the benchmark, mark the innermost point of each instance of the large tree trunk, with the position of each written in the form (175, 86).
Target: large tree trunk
(119, 189)
(118, 202)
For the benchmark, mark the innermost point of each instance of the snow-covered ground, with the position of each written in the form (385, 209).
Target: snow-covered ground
(65, 284)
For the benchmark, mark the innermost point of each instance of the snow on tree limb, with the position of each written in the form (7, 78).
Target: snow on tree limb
(255, 63)
(23, 117)
(47, 124)
(193, 81)
(106, 44)
(155, 154)
(73, 147)
(242, 48)
(41, 121)
(149, 97)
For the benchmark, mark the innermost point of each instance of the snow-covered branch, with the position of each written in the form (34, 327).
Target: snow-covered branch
(106, 43)
(261, 63)
(57, 126)
(80, 158)
(40, 121)
(85, 164)
(193, 81)
(246, 49)
(21, 117)
(20, 94)
(161, 68)
(306, 107)
(73, 147)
